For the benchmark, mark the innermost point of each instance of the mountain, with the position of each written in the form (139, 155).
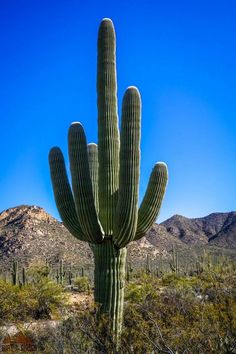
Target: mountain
(216, 229)
(28, 234)
(226, 237)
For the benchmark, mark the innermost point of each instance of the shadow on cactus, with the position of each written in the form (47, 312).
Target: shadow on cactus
(101, 208)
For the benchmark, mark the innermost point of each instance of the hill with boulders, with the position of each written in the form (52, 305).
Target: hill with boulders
(29, 233)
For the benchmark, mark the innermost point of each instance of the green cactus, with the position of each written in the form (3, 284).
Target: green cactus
(102, 206)
(57, 276)
(129, 271)
(15, 273)
(61, 272)
(174, 263)
(82, 272)
(160, 266)
(70, 277)
(23, 276)
(148, 265)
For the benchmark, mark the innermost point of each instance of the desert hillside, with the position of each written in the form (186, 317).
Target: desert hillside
(29, 233)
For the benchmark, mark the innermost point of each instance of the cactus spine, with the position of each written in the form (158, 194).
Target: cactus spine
(102, 206)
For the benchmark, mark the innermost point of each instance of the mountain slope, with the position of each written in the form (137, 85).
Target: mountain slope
(226, 237)
(28, 233)
(207, 230)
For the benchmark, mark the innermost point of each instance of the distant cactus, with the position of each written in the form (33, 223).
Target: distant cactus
(148, 265)
(159, 270)
(82, 272)
(102, 206)
(15, 273)
(174, 264)
(57, 276)
(23, 276)
(129, 271)
(70, 277)
(61, 272)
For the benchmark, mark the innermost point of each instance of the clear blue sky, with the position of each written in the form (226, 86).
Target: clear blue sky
(181, 55)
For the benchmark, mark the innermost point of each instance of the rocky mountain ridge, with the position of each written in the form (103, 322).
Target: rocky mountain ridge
(216, 229)
(29, 233)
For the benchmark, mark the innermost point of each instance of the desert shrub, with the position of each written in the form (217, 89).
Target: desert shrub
(173, 314)
(135, 293)
(40, 299)
(83, 285)
(166, 319)
(14, 304)
(188, 315)
(170, 278)
(37, 271)
(143, 286)
(45, 298)
(80, 333)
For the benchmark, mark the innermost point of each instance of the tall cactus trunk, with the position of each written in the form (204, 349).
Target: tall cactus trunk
(101, 208)
(109, 281)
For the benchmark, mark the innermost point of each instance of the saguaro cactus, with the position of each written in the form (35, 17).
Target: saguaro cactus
(102, 205)
(15, 273)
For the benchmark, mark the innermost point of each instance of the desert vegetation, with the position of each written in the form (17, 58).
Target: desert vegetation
(172, 312)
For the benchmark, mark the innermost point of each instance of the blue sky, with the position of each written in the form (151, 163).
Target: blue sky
(180, 54)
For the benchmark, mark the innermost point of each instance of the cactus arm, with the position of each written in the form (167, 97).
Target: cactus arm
(151, 204)
(62, 193)
(93, 168)
(127, 207)
(108, 134)
(82, 185)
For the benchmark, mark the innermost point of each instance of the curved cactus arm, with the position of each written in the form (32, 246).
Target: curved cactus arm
(151, 204)
(93, 168)
(82, 185)
(108, 133)
(127, 207)
(62, 193)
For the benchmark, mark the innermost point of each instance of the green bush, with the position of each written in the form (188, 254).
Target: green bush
(175, 314)
(45, 298)
(14, 304)
(83, 285)
(39, 299)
